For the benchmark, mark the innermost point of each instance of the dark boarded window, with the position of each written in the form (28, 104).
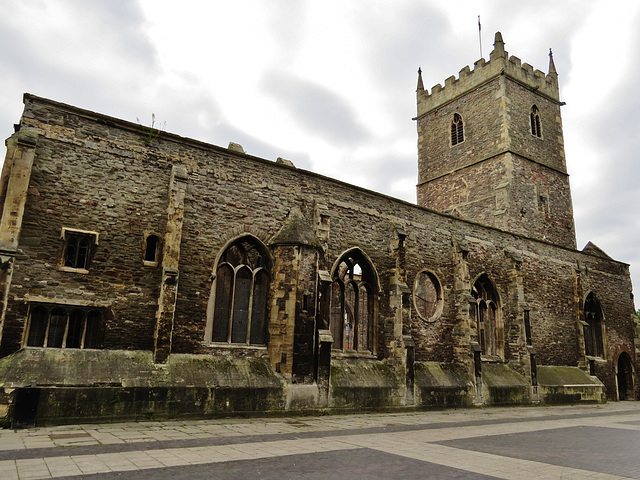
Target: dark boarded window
(241, 288)
(457, 130)
(65, 326)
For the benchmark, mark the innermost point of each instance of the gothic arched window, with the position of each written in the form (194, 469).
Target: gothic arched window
(239, 292)
(534, 118)
(457, 130)
(592, 325)
(490, 330)
(352, 301)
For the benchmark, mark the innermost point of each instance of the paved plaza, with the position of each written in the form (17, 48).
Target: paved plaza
(568, 442)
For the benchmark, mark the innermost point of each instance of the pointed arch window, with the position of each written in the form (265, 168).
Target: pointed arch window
(593, 326)
(457, 130)
(352, 303)
(534, 119)
(239, 294)
(489, 326)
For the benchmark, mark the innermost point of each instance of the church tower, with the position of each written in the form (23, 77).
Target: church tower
(491, 150)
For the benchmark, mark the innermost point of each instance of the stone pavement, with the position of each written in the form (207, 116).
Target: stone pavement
(568, 442)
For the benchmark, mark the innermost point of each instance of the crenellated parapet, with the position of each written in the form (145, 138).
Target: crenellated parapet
(500, 63)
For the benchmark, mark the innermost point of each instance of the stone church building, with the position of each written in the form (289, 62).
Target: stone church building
(147, 275)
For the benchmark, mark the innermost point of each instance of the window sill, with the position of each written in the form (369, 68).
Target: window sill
(147, 263)
(236, 346)
(352, 354)
(491, 359)
(82, 271)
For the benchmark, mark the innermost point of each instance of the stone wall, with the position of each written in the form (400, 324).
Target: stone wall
(100, 174)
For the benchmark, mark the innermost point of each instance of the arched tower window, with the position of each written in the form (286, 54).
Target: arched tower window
(240, 292)
(490, 329)
(534, 117)
(352, 298)
(457, 130)
(593, 327)
(151, 249)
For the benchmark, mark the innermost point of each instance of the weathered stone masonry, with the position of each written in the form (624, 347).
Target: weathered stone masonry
(275, 288)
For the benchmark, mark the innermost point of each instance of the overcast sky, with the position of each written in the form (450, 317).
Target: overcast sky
(330, 84)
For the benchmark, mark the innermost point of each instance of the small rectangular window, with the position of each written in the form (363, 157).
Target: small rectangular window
(79, 246)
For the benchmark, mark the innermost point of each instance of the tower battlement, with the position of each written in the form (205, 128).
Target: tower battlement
(500, 63)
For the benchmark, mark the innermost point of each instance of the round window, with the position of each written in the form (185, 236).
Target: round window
(427, 296)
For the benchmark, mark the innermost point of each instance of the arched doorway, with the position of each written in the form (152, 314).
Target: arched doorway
(625, 377)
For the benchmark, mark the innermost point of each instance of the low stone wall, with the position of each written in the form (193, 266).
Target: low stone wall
(442, 385)
(358, 383)
(44, 386)
(501, 385)
(568, 385)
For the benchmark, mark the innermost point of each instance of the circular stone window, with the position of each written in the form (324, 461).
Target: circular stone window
(427, 296)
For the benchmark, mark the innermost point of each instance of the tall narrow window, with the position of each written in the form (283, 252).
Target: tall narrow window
(353, 292)
(534, 116)
(151, 249)
(593, 343)
(457, 130)
(490, 330)
(240, 293)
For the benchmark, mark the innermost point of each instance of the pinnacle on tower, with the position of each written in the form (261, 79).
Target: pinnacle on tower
(552, 66)
(420, 87)
(498, 47)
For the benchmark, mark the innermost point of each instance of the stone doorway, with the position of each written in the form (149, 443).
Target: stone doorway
(625, 377)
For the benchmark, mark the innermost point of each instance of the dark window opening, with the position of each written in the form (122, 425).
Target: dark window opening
(241, 289)
(593, 326)
(534, 118)
(151, 249)
(78, 249)
(457, 130)
(62, 326)
(527, 327)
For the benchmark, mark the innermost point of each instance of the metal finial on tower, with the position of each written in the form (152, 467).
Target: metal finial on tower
(480, 35)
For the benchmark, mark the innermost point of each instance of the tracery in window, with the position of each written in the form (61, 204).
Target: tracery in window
(457, 130)
(64, 326)
(593, 326)
(427, 295)
(490, 329)
(239, 292)
(534, 117)
(352, 302)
